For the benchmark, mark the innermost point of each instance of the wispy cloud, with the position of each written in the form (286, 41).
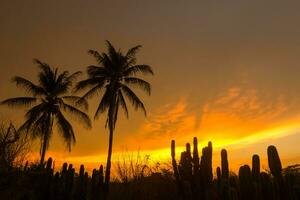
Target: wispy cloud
(239, 112)
(236, 113)
(165, 123)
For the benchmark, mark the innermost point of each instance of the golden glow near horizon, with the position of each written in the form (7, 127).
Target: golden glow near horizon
(163, 155)
(224, 72)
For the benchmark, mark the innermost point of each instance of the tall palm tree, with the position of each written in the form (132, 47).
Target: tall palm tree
(47, 103)
(114, 74)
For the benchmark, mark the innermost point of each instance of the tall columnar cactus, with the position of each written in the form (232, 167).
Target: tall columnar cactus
(80, 192)
(267, 186)
(185, 164)
(209, 157)
(49, 164)
(101, 175)
(196, 159)
(226, 191)
(81, 171)
(255, 167)
(173, 149)
(206, 164)
(174, 163)
(219, 174)
(224, 163)
(56, 186)
(46, 180)
(274, 162)
(69, 182)
(97, 184)
(245, 182)
(276, 170)
(190, 172)
(219, 181)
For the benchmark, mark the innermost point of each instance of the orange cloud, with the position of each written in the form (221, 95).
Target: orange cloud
(168, 122)
(239, 112)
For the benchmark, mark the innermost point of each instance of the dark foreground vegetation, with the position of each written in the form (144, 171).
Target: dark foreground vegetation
(192, 178)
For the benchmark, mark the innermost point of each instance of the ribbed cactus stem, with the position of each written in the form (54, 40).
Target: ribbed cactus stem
(209, 162)
(188, 149)
(195, 152)
(255, 167)
(174, 163)
(81, 171)
(173, 148)
(49, 164)
(101, 174)
(245, 180)
(224, 163)
(219, 173)
(274, 161)
(64, 168)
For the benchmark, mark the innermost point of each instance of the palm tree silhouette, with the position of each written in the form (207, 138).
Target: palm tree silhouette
(48, 101)
(114, 75)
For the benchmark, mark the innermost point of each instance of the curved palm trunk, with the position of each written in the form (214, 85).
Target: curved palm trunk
(108, 163)
(43, 150)
(45, 140)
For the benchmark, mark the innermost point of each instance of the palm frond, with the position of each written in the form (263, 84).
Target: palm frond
(43, 66)
(133, 98)
(66, 83)
(87, 83)
(108, 63)
(19, 101)
(123, 103)
(42, 128)
(74, 76)
(28, 86)
(111, 49)
(145, 69)
(61, 84)
(95, 71)
(77, 101)
(93, 91)
(139, 82)
(61, 78)
(84, 118)
(132, 51)
(65, 129)
(96, 55)
(104, 104)
(47, 77)
(36, 111)
(32, 116)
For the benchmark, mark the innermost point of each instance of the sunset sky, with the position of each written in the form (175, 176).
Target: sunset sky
(225, 71)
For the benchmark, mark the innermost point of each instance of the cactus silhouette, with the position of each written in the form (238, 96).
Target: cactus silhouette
(224, 161)
(274, 161)
(195, 180)
(255, 167)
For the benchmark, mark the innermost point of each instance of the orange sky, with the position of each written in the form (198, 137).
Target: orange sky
(226, 72)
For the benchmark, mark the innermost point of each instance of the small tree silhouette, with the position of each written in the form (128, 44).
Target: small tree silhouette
(114, 74)
(48, 102)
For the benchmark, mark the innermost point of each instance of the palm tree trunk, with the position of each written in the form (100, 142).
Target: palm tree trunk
(46, 138)
(108, 163)
(43, 150)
